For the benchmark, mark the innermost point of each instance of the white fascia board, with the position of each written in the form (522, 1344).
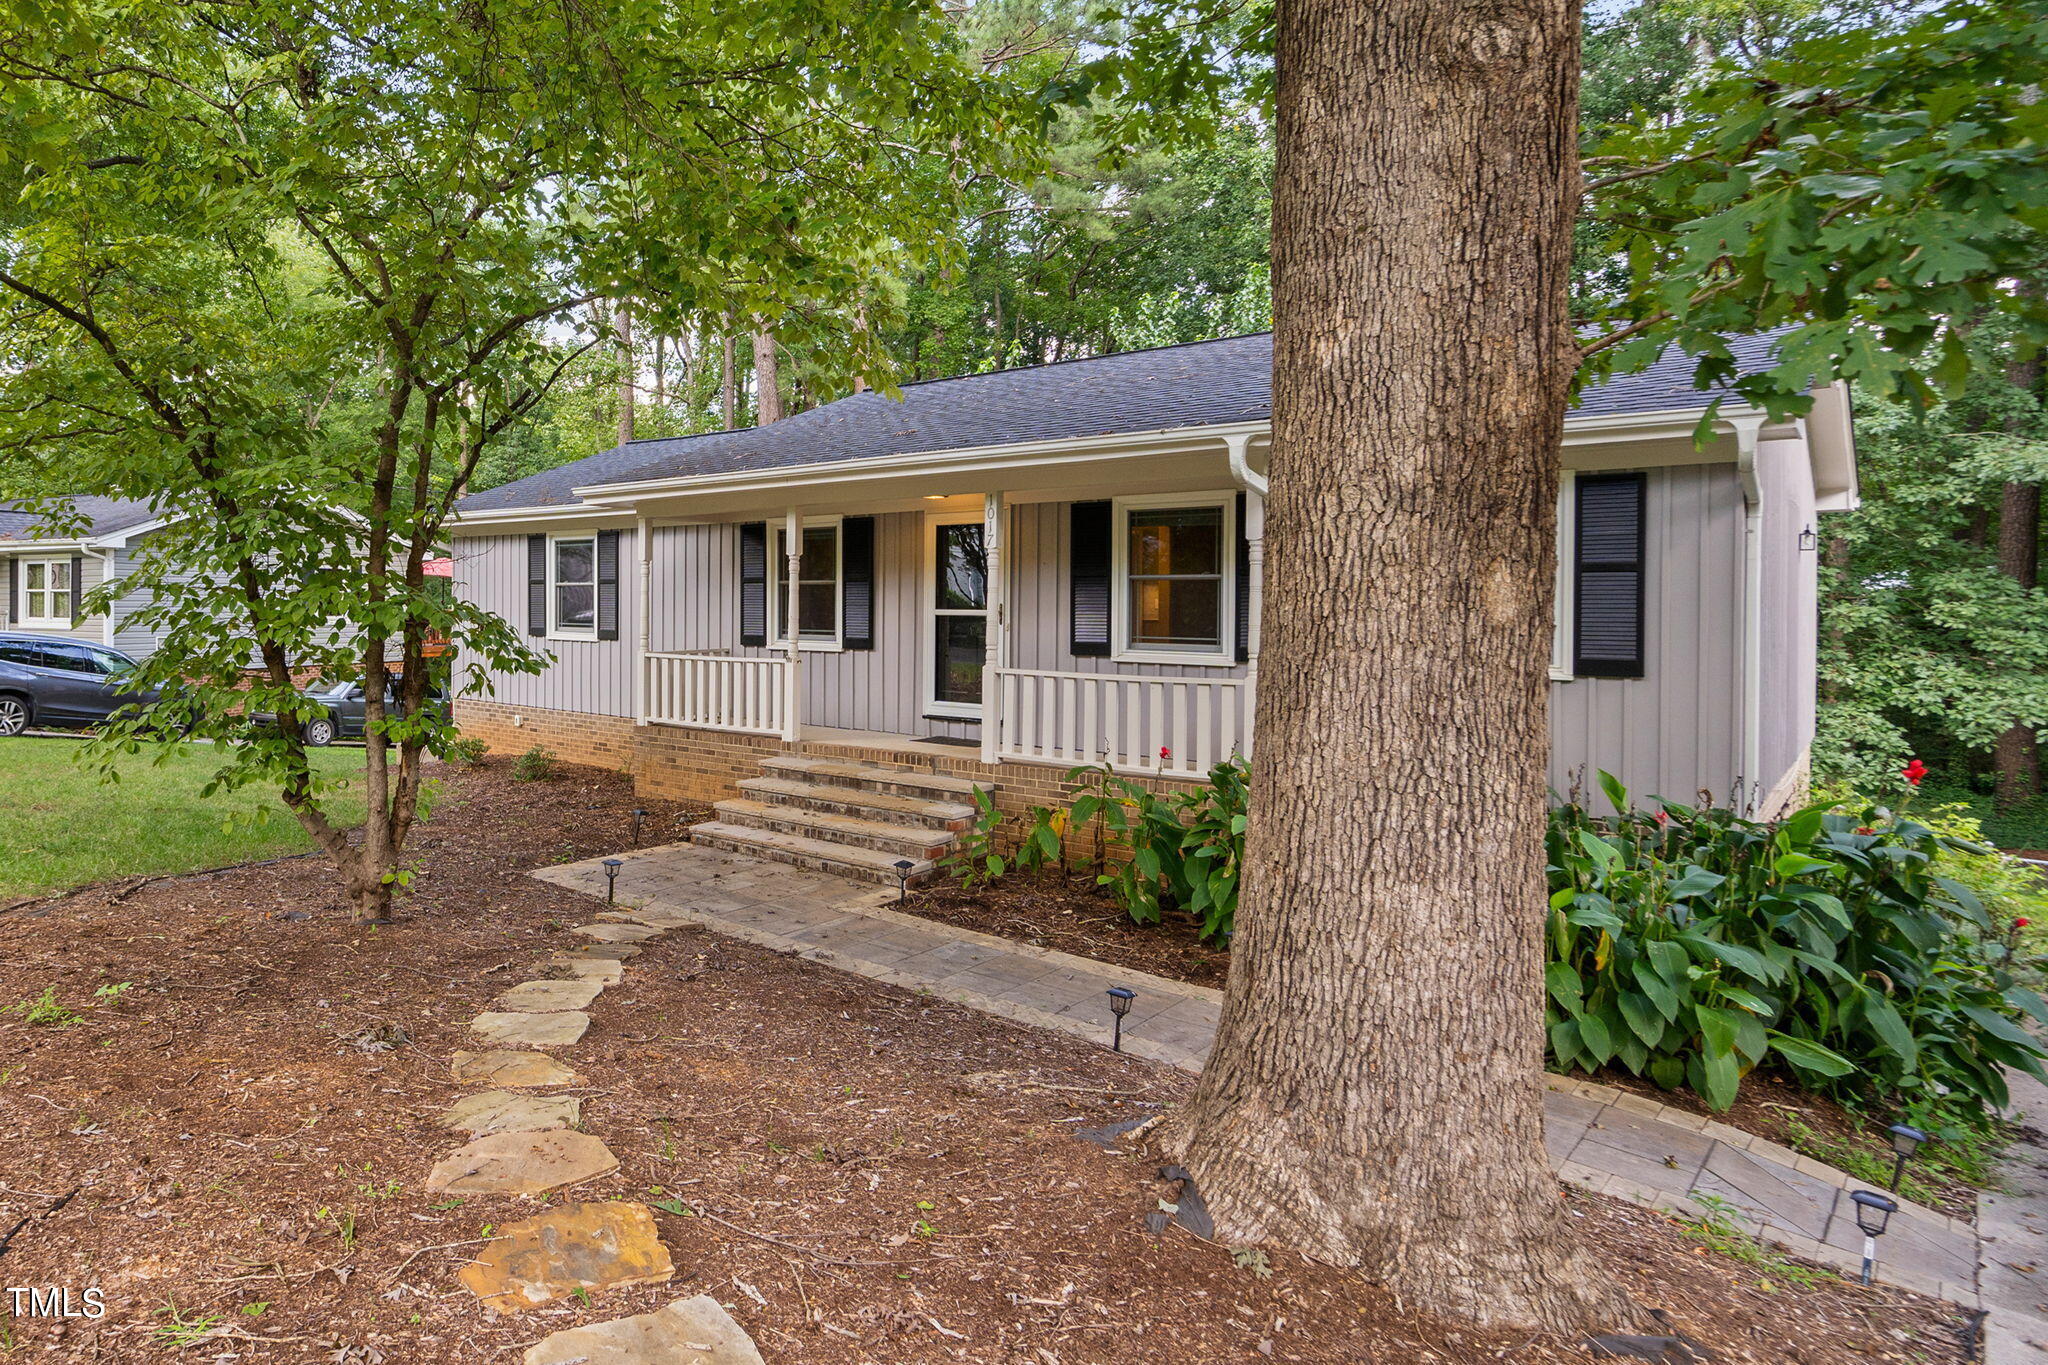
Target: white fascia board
(505, 520)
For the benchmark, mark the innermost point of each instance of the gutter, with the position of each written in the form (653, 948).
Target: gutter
(1747, 430)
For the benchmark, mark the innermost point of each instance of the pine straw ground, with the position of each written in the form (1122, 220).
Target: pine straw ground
(880, 1178)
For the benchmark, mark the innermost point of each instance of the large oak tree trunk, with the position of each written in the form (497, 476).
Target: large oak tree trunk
(1375, 1092)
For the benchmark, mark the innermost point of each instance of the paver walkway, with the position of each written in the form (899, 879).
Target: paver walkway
(2013, 1274)
(1603, 1139)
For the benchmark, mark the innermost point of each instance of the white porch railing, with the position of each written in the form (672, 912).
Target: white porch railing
(1125, 721)
(713, 691)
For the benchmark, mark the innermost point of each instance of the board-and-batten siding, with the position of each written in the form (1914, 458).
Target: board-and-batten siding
(1791, 596)
(1677, 728)
(594, 677)
(1669, 733)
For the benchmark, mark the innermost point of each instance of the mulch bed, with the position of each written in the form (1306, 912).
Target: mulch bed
(860, 1174)
(1068, 914)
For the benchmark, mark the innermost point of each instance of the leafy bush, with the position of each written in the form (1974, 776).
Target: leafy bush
(535, 765)
(1692, 945)
(977, 857)
(1186, 847)
(466, 750)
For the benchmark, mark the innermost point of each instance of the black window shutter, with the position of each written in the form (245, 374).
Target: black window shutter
(857, 582)
(13, 591)
(754, 583)
(536, 585)
(1608, 572)
(1088, 563)
(77, 586)
(1244, 587)
(607, 585)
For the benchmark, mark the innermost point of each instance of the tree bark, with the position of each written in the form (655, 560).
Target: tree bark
(767, 380)
(1374, 1097)
(728, 391)
(2016, 757)
(628, 371)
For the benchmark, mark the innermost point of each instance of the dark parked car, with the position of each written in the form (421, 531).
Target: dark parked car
(344, 703)
(61, 684)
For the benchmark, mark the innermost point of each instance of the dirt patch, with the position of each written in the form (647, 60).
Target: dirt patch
(1050, 912)
(234, 1150)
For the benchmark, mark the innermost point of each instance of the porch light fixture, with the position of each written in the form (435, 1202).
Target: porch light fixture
(1905, 1142)
(1120, 998)
(1809, 540)
(638, 815)
(1873, 1212)
(904, 867)
(611, 879)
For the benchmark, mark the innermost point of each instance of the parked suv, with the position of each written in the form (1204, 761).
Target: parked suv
(345, 710)
(61, 684)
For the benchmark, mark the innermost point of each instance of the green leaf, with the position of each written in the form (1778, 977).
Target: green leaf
(1697, 881)
(1890, 1028)
(1642, 1016)
(1562, 981)
(1810, 1056)
(1998, 1026)
(1715, 1077)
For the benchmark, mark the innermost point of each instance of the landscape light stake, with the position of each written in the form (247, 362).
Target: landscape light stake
(1905, 1142)
(1120, 998)
(903, 869)
(611, 879)
(638, 815)
(1873, 1211)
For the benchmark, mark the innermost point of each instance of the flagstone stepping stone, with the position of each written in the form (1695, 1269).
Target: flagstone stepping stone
(558, 1029)
(525, 1070)
(617, 933)
(599, 969)
(577, 1246)
(688, 1332)
(607, 952)
(522, 1163)
(522, 1069)
(548, 996)
(501, 1111)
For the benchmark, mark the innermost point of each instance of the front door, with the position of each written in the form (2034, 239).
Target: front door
(956, 606)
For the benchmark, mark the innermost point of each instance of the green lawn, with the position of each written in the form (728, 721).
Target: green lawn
(61, 827)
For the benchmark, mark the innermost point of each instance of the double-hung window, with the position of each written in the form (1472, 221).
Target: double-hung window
(572, 587)
(818, 579)
(46, 592)
(1175, 566)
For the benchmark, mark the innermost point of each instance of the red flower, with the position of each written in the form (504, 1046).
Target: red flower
(1914, 771)
(1164, 753)
(1662, 817)
(1865, 829)
(2021, 923)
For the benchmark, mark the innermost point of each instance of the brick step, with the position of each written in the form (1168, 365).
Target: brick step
(873, 777)
(888, 807)
(842, 860)
(920, 843)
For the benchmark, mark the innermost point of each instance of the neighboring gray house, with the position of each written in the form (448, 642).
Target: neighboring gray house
(1003, 575)
(46, 576)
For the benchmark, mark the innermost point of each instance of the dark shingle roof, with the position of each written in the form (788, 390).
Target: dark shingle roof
(106, 515)
(1204, 383)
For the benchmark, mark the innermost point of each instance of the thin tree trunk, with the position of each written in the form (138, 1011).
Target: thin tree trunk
(628, 373)
(660, 370)
(767, 380)
(729, 393)
(1375, 1093)
(2016, 757)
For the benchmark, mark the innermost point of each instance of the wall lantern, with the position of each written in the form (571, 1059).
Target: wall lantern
(1809, 540)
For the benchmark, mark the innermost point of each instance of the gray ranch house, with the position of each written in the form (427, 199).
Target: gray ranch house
(836, 625)
(46, 575)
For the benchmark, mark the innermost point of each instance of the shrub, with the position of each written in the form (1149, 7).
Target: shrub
(976, 859)
(535, 765)
(467, 750)
(1187, 847)
(1692, 945)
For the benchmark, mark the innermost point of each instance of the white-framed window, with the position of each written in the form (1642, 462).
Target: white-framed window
(1176, 578)
(818, 584)
(45, 592)
(572, 587)
(1567, 528)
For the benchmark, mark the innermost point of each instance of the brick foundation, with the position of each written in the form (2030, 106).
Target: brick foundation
(706, 765)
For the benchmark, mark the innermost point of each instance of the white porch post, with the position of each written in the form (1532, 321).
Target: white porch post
(643, 557)
(998, 627)
(792, 565)
(1255, 559)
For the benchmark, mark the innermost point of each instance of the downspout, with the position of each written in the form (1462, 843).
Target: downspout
(1241, 472)
(643, 555)
(1747, 430)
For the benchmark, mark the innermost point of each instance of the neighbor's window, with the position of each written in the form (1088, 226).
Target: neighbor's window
(817, 586)
(574, 591)
(1175, 562)
(46, 592)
